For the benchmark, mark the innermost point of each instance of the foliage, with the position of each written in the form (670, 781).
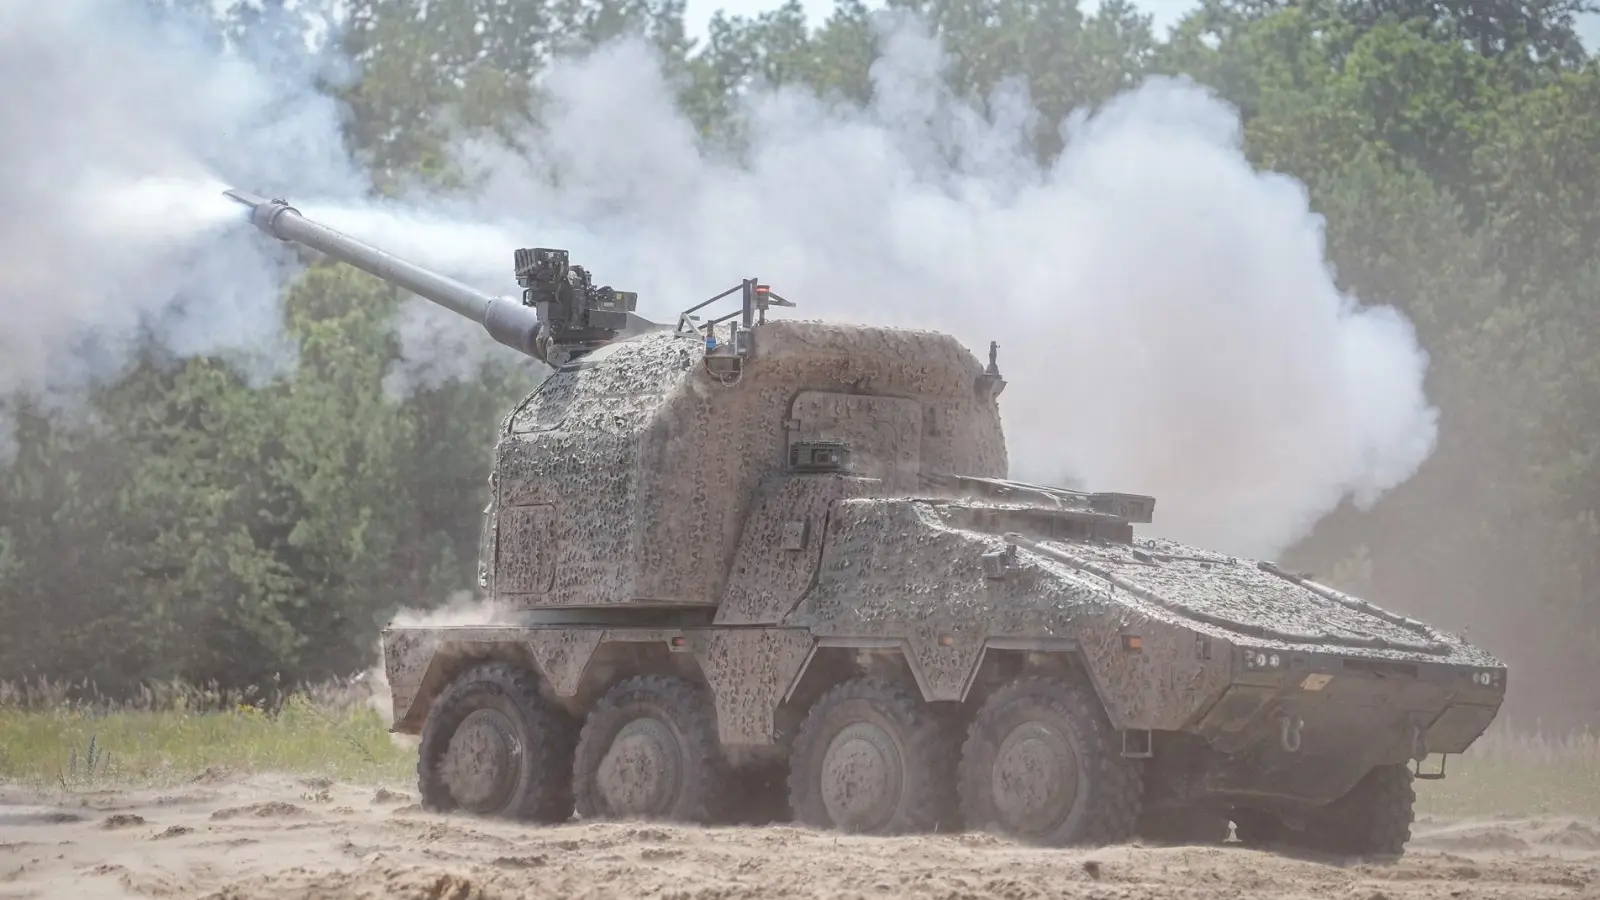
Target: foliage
(196, 527)
(176, 732)
(209, 530)
(1509, 772)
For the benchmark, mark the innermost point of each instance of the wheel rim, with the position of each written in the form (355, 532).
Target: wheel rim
(1035, 779)
(862, 772)
(642, 769)
(480, 764)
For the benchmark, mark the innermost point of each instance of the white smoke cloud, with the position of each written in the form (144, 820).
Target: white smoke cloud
(1167, 320)
(436, 346)
(122, 126)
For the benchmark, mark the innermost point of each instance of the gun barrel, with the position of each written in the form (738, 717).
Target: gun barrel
(508, 322)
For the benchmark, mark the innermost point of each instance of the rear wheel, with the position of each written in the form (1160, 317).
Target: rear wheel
(650, 750)
(871, 758)
(493, 746)
(1042, 764)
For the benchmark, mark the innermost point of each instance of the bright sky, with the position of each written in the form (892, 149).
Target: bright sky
(1165, 13)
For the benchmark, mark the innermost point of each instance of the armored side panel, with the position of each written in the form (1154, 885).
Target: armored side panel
(1299, 689)
(781, 544)
(912, 572)
(627, 477)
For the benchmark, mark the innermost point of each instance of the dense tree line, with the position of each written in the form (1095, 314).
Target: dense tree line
(209, 529)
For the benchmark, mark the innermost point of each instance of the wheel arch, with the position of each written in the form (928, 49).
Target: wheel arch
(955, 683)
(447, 662)
(763, 679)
(835, 660)
(622, 655)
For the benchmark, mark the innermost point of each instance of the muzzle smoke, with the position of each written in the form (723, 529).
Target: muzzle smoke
(1165, 314)
(113, 234)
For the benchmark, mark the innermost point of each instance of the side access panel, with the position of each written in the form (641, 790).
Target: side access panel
(750, 671)
(1164, 683)
(524, 553)
(781, 545)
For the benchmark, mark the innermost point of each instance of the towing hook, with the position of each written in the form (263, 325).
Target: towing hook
(1291, 733)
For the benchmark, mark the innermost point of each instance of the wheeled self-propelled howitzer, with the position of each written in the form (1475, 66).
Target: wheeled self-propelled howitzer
(751, 567)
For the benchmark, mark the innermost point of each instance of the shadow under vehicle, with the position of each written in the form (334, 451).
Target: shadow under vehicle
(748, 570)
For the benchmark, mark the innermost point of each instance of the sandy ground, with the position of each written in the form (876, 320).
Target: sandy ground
(279, 838)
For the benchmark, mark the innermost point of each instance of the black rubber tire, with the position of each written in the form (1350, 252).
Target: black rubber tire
(1104, 808)
(678, 722)
(535, 773)
(919, 745)
(1192, 826)
(1373, 819)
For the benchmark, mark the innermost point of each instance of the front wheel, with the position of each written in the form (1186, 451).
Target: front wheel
(1373, 819)
(1042, 764)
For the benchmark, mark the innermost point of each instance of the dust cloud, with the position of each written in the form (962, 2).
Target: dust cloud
(1165, 314)
(459, 608)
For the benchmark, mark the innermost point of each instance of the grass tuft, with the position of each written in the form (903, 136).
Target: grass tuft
(53, 736)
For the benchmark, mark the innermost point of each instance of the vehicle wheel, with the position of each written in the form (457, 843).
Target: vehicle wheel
(492, 746)
(1042, 764)
(871, 758)
(649, 750)
(1185, 825)
(1373, 819)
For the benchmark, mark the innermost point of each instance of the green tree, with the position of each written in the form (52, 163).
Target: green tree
(197, 526)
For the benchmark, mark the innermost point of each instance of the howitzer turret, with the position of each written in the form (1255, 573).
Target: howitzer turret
(562, 314)
(780, 565)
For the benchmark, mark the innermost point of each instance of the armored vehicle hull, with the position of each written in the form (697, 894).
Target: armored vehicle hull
(916, 648)
(1115, 680)
(776, 570)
